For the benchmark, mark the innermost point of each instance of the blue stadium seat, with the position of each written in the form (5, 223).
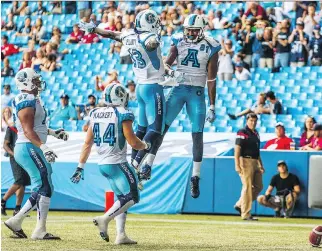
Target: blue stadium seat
(299, 96)
(294, 110)
(289, 103)
(287, 82)
(70, 125)
(224, 129)
(312, 111)
(317, 103)
(305, 103)
(55, 124)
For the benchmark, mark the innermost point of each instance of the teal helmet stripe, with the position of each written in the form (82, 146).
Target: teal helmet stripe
(138, 17)
(108, 94)
(192, 19)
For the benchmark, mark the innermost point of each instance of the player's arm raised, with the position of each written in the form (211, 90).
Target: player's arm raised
(26, 117)
(211, 83)
(131, 138)
(85, 152)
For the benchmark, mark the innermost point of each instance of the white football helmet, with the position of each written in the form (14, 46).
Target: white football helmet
(115, 95)
(147, 21)
(196, 23)
(27, 80)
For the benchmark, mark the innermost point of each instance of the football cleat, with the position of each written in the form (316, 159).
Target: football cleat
(238, 209)
(3, 210)
(102, 227)
(145, 173)
(122, 239)
(19, 233)
(194, 187)
(46, 237)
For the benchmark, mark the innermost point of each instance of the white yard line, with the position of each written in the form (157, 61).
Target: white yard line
(209, 222)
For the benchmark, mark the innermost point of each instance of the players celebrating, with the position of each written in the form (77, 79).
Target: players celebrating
(143, 44)
(197, 60)
(32, 154)
(110, 129)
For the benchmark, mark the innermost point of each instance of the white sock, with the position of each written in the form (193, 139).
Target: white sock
(27, 207)
(196, 169)
(149, 159)
(42, 212)
(117, 209)
(120, 223)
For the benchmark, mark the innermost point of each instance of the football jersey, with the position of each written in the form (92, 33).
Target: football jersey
(193, 58)
(147, 65)
(24, 100)
(106, 123)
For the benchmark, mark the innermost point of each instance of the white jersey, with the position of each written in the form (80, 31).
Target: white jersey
(107, 128)
(24, 100)
(147, 65)
(193, 58)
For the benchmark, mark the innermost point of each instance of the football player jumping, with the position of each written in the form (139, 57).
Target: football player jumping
(32, 154)
(197, 60)
(110, 128)
(143, 44)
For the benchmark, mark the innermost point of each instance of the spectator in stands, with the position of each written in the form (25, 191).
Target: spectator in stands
(91, 104)
(57, 7)
(26, 29)
(6, 118)
(131, 88)
(257, 108)
(112, 78)
(226, 68)
(49, 49)
(276, 15)
(26, 61)
(280, 42)
(238, 19)
(124, 53)
(93, 18)
(6, 48)
(30, 48)
(115, 47)
(220, 22)
(76, 36)
(288, 190)
(241, 73)
(110, 24)
(14, 8)
(104, 22)
(275, 106)
(308, 134)
(298, 40)
(66, 111)
(316, 142)
(50, 64)
(267, 53)
(7, 96)
(83, 8)
(38, 31)
(23, 10)
(247, 36)
(301, 8)
(56, 35)
(239, 58)
(39, 60)
(7, 70)
(90, 38)
(256, 11)
(40, 10)
(10, 25)
(281, 142)
(316, 47)
(176, 21)
(311, 20)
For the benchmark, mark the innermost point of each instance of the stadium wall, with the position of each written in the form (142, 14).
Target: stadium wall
(168, 191)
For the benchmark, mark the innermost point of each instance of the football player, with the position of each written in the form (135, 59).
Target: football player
(197, 60)
(32, 153)
(110, 128)
(143, 44)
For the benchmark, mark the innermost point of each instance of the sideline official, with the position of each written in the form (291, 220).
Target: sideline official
(249, 166)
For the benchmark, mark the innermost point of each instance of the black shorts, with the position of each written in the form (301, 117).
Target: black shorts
(19, 174)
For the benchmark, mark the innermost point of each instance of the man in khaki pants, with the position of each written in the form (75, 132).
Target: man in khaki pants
(249, 166)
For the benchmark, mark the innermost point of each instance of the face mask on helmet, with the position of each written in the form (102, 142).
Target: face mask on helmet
(39, 83)
(193, 35)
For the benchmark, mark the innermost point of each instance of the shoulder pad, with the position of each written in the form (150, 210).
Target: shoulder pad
(176, 38)
(24, 100)
(214, 45)
(125, 114)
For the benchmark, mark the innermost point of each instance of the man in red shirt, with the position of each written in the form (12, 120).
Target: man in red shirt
(316, 143)
(256, 11)
(90, 38)
(281, 142)
(6, 48)
(75, 36)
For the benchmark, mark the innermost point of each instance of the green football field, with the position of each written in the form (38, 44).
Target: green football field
(167, 232)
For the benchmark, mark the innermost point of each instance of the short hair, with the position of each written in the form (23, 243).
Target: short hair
(270, 95)
(252, 116)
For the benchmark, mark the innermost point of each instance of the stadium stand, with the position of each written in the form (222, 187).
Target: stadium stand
(298, 88)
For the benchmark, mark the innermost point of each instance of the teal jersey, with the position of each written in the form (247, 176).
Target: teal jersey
(106, 123)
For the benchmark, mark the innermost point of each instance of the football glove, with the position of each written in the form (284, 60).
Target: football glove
(78, 174)
(267, 197)
(211, 114)
(178, 76)
(87, 27)
(59, 134)
(49, 154)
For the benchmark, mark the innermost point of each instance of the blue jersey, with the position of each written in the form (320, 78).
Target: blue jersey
(25, 100)
(316, 47)
(193, 58)
(106, 123)
(147, 65)
(298, 51)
